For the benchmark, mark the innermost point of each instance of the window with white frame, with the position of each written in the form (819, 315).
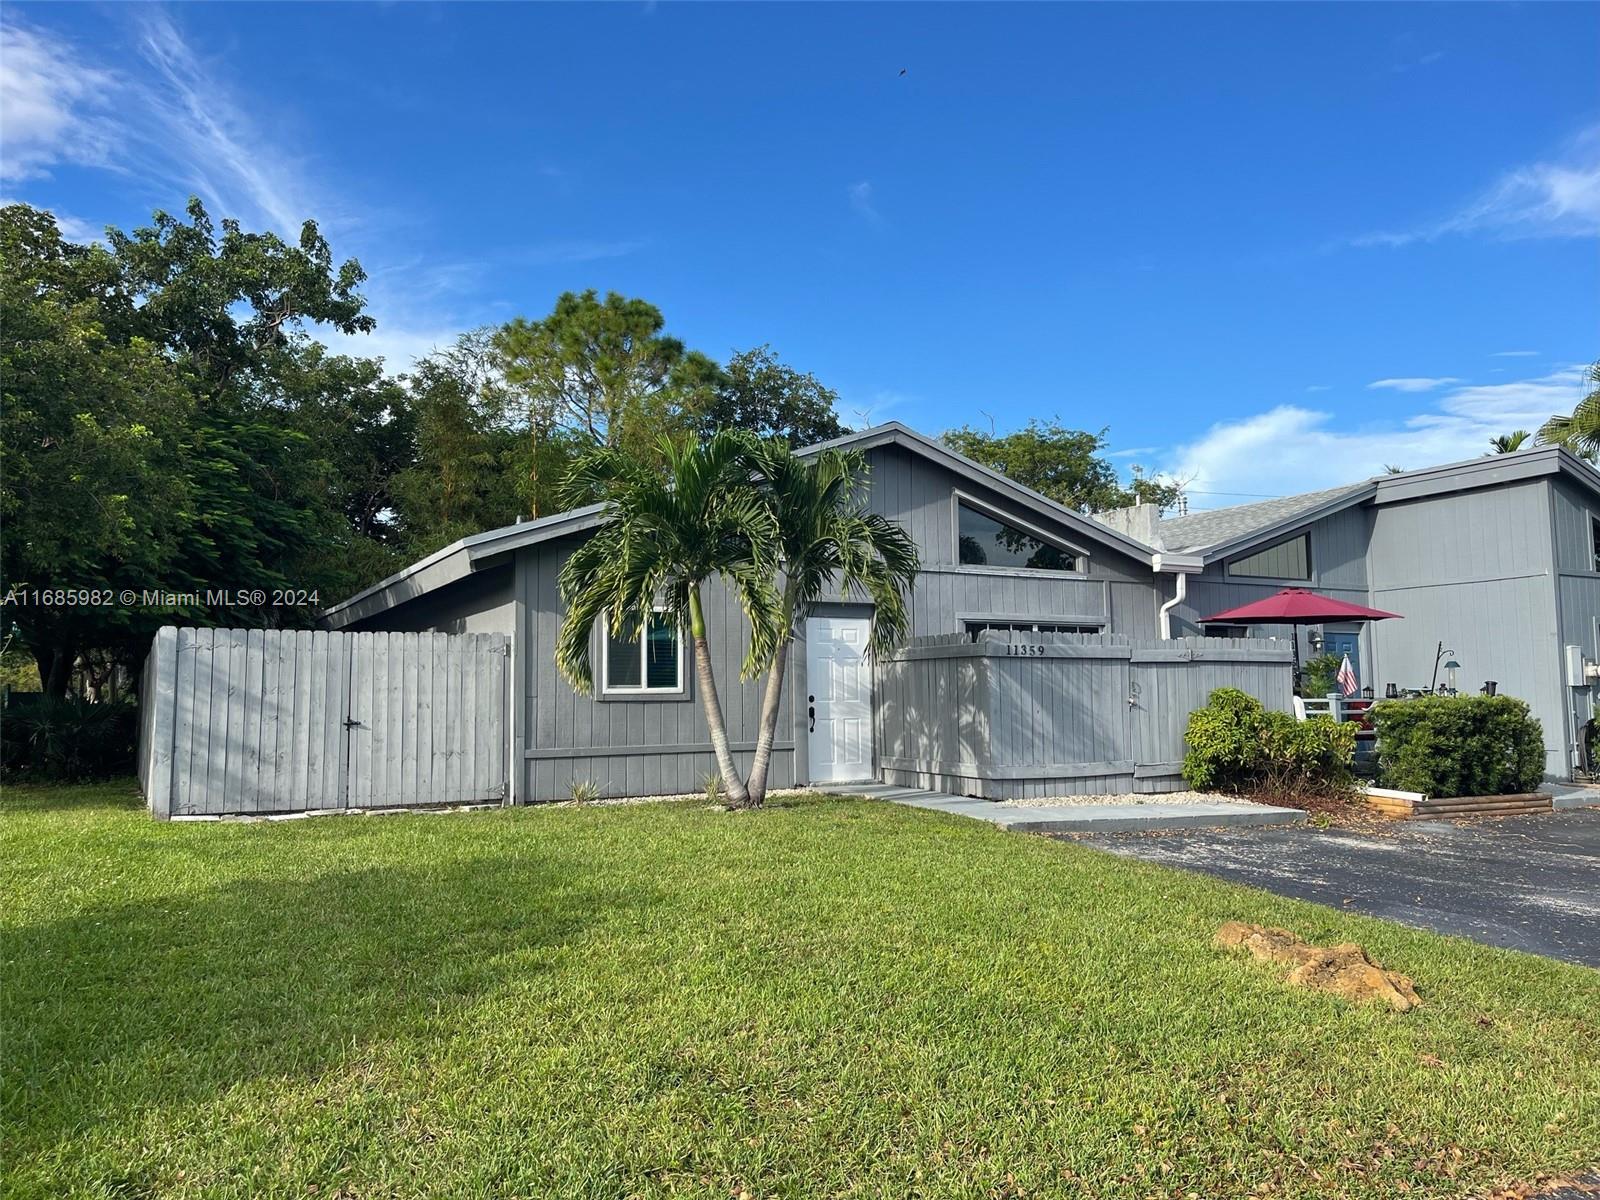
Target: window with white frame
(644, 661)
(1594, 540)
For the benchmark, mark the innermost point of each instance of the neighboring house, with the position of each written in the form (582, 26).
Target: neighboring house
(994, 554)
(1466, 552)
(1497, 558)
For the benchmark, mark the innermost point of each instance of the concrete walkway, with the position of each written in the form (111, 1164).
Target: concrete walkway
(1092, 818)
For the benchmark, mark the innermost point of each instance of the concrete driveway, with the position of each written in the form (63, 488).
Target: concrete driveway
(1530, 883)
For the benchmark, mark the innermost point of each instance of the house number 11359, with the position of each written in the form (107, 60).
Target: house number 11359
(1015, 651)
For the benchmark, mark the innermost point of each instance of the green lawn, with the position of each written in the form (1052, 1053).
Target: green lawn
(829, 998)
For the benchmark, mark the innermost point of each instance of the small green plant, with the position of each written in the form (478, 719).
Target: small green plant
(716, 791)
(1459, 745)
(1237, 745)
(1320, 676)
(584, 791)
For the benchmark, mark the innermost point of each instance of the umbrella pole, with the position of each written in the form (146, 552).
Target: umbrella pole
(1294, 641)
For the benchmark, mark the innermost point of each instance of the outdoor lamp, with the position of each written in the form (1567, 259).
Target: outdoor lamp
(1450, 669)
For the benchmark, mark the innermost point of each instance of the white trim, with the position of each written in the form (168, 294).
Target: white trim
(643, 687)
(995, 513)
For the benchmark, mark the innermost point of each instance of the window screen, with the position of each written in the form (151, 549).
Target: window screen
(1286, 560)
(652, 663)
(1006, 631)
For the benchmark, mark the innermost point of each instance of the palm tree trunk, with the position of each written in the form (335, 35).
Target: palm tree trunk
(738, 796)
(771, 700)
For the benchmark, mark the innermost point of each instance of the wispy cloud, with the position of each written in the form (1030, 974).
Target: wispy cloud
(55, 105)
(1515, 354)
(1556, 197)
(861, 199)
(1413, 384)
(160, 117)
(1319, 387)
(1295, 448)
(168, 119)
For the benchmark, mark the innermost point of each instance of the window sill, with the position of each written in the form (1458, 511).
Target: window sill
(663, 697)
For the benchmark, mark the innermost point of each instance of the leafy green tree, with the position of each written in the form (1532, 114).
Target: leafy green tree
(1579, 430)
(219, 304)
(598, 369)
(469, 475)
(362, 425)
(168, 427)
(828, 543)
(93, 489)
(757, 393)
(672, 531)
(1063, 464)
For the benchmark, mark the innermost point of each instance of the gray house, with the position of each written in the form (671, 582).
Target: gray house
(1498, 558)
(994, 556)
(999, 557)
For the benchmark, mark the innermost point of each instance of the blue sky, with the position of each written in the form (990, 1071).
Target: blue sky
(1272, 247)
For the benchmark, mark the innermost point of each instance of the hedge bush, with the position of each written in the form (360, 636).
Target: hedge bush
(71, 739)
(1459, 745)
(1236, 745)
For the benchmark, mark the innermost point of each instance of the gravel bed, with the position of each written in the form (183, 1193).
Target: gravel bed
(1127, 798)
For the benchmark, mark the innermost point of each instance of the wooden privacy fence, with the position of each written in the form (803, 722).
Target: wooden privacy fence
(268, 720)
(1072, 714)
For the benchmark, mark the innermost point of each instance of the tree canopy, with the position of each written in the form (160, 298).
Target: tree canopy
(1067, 465)
(173, 425)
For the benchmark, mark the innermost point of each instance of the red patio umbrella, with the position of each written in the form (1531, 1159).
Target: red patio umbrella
(1297, 606)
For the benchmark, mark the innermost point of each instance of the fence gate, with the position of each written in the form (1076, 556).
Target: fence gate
(265, 720)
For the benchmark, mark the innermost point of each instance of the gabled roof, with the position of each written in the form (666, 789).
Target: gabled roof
(461, 558)
(1222, 532)
(895, 433)
(1223, 528)
(456, 561)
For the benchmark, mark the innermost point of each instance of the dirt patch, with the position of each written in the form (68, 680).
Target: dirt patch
(1342, 970)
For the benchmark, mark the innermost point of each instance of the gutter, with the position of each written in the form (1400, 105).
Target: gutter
(1183, 566)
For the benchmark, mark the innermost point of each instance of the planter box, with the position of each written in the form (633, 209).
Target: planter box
(1414, 805)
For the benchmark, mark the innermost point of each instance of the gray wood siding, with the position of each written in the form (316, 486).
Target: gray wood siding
(636, 746)
(1503, 533)
(1083, 715)
(1575, 510)
(918, 494)
(661, 746)
(1474, 570)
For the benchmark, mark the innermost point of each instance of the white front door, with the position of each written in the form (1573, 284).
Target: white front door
(838, 699)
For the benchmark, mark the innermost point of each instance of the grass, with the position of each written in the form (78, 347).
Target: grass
(829, 998)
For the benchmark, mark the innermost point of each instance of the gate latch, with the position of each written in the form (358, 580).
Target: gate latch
(352, 723)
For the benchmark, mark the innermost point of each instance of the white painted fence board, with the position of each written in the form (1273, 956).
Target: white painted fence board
(241, 721)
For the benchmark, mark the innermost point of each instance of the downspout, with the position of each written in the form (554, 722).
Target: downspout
(1164, 616)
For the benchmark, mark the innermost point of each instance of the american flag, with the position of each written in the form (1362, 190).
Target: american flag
(1346, 678)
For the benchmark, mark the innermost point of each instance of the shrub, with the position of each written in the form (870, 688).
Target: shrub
(1236, 745)
(1320, 675)
(68, 739)
(1459, 745)
(584, 791)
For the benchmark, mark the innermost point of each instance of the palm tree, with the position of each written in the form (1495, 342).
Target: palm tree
(830, 545)
(1580, 430)
(1509, 443)
(669, 533)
